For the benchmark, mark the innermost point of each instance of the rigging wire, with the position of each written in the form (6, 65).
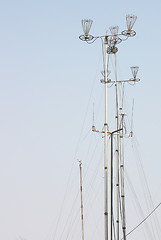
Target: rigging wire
(132, 109)
(72, 226)
(148, 194)
(62, 204)
(72, 218)
(136, 201)
(91, 207)
(88, 166)
(87, 108)
(71, 212)
(98, 108)
(86, 216)
(76, 151)
(71, 221)
(143, 220)
(98, 224)
(89, 201)
(142, 175)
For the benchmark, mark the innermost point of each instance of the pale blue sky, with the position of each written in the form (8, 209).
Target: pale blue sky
(46, 76)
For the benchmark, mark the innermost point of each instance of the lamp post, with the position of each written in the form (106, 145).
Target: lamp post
(111, 41)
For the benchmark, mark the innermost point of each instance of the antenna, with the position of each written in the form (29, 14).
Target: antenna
(86, 25)
(132, 114)
(103, 74)
(134, 71)
(93, 126)
(114, 30)
(115, 39)
(130, 21)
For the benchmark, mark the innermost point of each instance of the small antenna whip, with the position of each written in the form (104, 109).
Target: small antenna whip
(80, 166)
(132, 118)
(93, 126)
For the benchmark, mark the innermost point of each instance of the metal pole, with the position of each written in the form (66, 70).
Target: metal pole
(105, 156)
(111, 184)
(80, 165)
(117, 154)
(122, 166)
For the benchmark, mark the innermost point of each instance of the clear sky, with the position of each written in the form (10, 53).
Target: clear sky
(48, 83)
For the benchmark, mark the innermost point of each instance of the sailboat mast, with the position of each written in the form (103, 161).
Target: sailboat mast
(122, 165)
(111, 185)
(105, 150)
(80, 166)
(117, 152)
